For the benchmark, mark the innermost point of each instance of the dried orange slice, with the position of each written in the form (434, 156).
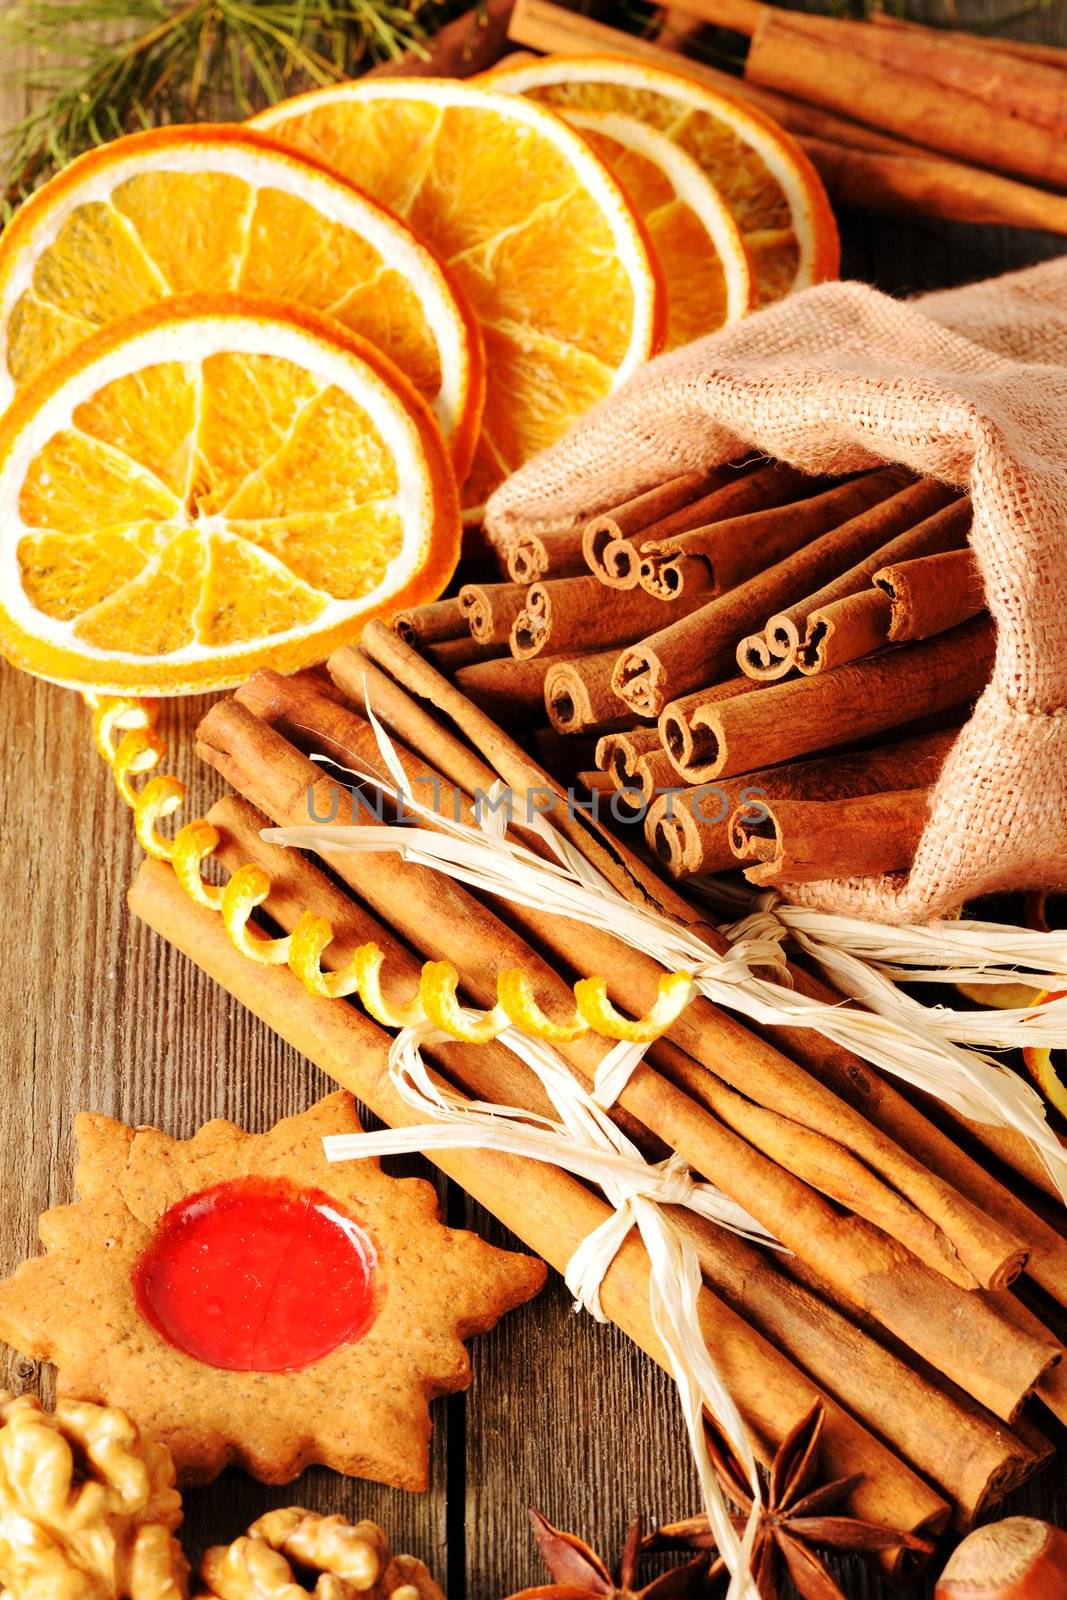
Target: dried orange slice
(220, 209)
(211, 485)
(697, 244)
(527, 219)
(771, 188)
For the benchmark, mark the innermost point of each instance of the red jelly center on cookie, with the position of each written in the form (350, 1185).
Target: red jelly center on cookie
(257, 1275)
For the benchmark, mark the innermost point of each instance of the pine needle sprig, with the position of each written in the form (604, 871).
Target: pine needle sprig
(105, 67)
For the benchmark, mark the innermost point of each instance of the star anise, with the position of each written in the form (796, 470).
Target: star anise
(797, 1519)
(579, 1574)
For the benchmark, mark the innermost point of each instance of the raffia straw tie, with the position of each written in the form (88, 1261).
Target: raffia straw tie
(586, 1142)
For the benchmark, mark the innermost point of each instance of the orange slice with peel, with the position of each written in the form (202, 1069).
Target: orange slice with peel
(222, 209)
(526, 218)
(213, 485)
(697, 244)
(767, 182)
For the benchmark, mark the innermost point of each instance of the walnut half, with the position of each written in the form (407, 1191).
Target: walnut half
(87, 1506)
(343, 1561)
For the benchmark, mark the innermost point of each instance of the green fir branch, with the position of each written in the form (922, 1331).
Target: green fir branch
(105, 67)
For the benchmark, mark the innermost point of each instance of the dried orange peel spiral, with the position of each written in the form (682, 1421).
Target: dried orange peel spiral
(128, 740)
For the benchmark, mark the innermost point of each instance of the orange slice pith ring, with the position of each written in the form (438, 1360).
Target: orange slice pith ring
(772, 190)
(529, 222)
(211, 209)
(210, 485)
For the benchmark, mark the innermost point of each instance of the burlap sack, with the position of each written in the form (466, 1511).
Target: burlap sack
(968, 385)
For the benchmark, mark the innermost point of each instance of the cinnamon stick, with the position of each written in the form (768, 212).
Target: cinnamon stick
(909, 600)
(636, 762)
(574, 616)
(720, 555)
(452, 655)
(915, 1301)
(690, 829)
(641, 511)
(509, 690)
(917, 183)
(957, 99)
(802, 841)
(816, 633)
(579, 697)
(551, 1212)
(795, 718)
(431, 624)
(931, 594)
(702, 647)
(489, 610)
(532, 556)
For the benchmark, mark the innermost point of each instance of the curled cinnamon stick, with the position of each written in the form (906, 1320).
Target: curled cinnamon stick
(727, 492)
(690, 829)
(702, 647)
(452, 655)
(532, 556)
(636, 762)
(579, 697)
(801, 841)
(931, 594)
(819, 632)
(720, 555)
(574, 616)
(431, 624)
(489, 610)
(551, 1212)
(795, 718)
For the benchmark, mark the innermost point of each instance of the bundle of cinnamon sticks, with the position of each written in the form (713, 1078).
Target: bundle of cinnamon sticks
(895, 1300)
(769, 667)
(895, 116)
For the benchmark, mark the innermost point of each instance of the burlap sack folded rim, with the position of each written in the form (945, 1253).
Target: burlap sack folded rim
(967, 385)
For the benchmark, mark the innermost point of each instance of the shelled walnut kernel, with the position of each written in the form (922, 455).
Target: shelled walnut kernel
(87, 1506)
(343, 1561)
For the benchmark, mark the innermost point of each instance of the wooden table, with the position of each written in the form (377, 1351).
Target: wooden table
(96, 1013)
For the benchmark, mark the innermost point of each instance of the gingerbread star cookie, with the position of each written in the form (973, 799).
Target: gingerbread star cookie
(245, 1301)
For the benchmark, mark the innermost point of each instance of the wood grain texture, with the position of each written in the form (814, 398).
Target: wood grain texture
(96, 1013)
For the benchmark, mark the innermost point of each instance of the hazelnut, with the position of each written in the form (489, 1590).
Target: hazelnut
(1017, 1559)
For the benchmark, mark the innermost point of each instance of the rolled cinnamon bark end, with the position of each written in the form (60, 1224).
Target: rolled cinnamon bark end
(573, 616)
(786, 720)
(802, 841)
(676, 733)
(685, 838)
(431, 624)
(931, 593)
(532, 556)
(490, 609)
(579, 698)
